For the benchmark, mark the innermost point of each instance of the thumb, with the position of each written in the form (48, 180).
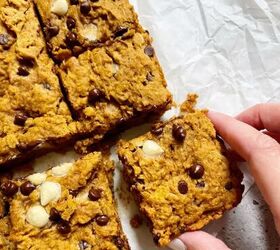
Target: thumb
(197, 241)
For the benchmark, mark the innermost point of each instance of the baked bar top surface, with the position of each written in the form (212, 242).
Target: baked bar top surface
(180, 176)
(72, 26)
(70, 206)
(32, 110)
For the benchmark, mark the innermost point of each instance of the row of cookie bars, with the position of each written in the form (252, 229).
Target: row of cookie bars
(105, 74)
(70, 206)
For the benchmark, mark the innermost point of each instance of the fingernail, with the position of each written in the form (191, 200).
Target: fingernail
(177, 245)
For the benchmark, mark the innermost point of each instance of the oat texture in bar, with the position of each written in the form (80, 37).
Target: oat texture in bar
(180, 175)
(33, 114)
(70, 206)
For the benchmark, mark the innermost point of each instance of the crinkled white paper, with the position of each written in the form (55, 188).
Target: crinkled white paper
(227, 51)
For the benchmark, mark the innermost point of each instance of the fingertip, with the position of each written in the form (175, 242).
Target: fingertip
(177, 244)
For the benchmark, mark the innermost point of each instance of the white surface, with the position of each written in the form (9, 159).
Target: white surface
(228, 51)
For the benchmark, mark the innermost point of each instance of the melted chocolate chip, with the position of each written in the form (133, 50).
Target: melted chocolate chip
(63, 227)
(121, 31)
(71, 39)
(4, 39)
(27, 188)
(20, 119)
(196, 171)
(22, 71)
(9, 188)
(178, 132)
(83, 245)
(74, 2)
(119, 242)
(149, 51)
(94, 96)
(183, 187)
(24, 147)
(157, 130)
(94, 194)
(102, 220)
(29, 62)
(74, 192)
(229, 186)
(54, 215)
(71, 23)
(51, 31)
(85, 7)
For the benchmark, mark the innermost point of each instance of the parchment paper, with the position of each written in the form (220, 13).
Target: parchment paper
(227, 51)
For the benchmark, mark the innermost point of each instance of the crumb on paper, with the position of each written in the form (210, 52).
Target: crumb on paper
(188, 106)
(136, 221)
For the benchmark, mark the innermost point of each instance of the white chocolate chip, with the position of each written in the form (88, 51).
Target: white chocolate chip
(90, 32)
(82, 197)
(151, 148)
(61, 170)
(115, 68)
(59, 7)
(37, 178)
(49, 191)
(37, 216)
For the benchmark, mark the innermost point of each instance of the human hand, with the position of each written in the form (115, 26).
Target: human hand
(261, 149)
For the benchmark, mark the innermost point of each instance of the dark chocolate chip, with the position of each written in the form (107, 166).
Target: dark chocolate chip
(9, 188)
(157, 130)
(22, 71)
(119, 242)
(74, 2)
(102, 220)
(4, 39)
(27, 188)
(74, 192)
(178, 132)
(149, 51)
(51, 31)
(121, 31)
(200, 184)
(94, 194)
(54, 215)
(94, 96)
(20, 119)
(63, 227)
(71, 39)
(136, 221)
(183, 187)
(229, 186)
(77, 50)
(85, 7)
(156, 238)
(29, 62)
(24, 147)
(83, 245)
(71, 23)
(196, 171)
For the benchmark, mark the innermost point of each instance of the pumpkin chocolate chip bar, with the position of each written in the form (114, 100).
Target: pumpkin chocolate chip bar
(114, 84)
(179, 175)
(33, 114)
(73, 26)
(70, 206)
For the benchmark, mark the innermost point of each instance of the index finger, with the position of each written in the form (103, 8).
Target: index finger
(262, 116)
(261, 151)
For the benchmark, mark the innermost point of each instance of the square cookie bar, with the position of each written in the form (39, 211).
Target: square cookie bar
(70, 206)
(73, 26)
(114, 84)
(179, 175)
(33, 114)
